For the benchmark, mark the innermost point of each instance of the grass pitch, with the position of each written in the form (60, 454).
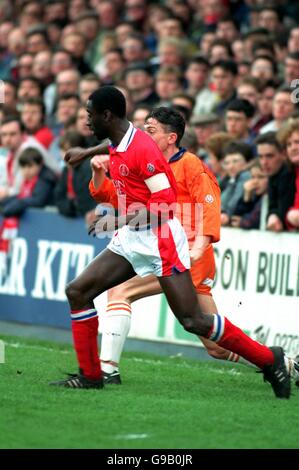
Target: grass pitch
(164, 402)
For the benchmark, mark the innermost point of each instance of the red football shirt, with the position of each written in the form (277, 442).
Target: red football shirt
(134, 160)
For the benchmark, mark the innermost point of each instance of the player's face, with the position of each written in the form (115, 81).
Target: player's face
(95, 122)
(158, 133)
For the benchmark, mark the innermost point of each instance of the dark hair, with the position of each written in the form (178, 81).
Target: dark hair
(109, 97)
(227, 65)
(38, 29)
(224, 43)
(199, 60)
(29, 157)
(71, 139)
(269, 138)
(229, 19)
(293, 55)
(68, 96)
(239, 147)
(263, 44)
(13, 118)
(241, 106)
(32, 79)
(35, 101)
(269, 59)
(170, 118)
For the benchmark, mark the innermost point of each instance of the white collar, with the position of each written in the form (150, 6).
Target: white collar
(127, 139)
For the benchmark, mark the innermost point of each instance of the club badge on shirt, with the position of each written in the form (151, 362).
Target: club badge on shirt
(123, 170)
(150, 168)
(209, 198)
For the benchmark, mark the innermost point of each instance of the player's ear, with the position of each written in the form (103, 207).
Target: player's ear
(107, 115)
(172, 138)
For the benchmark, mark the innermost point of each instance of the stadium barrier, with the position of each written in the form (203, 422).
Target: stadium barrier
(257, 282)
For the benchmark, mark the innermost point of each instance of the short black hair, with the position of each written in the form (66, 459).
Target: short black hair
(269, 138)
(13, 118)
(227, 65)
(199, 60)
(240, 105)
(30, 156)
(171, 118)
(293, 55)
(239, 147)
(32, 79)
(109, 97)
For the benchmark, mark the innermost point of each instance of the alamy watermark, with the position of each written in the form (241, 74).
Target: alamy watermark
(1, 92)
(152, 216)
(295, 93)
(2, 352)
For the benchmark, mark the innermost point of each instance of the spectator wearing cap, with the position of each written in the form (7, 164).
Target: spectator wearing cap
(281, 188)
(140, 84)
(237, 120)
(204, 126)
(235, 158)
(196, 74)
(282, 108)
(224, 76)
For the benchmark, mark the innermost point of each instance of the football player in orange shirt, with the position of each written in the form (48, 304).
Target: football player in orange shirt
(198, 209)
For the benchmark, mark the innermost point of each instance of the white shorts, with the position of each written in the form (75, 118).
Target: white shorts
(161, 251)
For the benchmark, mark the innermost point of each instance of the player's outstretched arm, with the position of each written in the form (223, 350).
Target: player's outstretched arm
(77, 155)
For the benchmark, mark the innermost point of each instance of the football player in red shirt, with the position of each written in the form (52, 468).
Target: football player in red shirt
(157, 244)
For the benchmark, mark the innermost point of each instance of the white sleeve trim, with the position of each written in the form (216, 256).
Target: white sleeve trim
(157, 182)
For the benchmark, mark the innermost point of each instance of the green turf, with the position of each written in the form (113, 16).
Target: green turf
(163, 403)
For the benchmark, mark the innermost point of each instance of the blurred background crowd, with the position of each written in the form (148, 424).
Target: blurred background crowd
(230, 67)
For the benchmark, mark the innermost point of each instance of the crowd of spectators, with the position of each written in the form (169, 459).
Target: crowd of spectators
(230, 67)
